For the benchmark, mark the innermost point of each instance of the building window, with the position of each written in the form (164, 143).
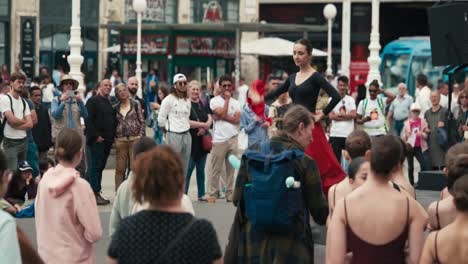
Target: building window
(4, 8)
(3, 43)
(55, 35)
(157, 11)
(214, 11)
(4, 31)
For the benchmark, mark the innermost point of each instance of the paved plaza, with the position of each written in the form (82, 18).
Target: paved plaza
(220, 214)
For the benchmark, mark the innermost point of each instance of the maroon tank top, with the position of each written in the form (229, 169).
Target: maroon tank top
(367, 253)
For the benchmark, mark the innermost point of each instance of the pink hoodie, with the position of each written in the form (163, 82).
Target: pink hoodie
(67, 219)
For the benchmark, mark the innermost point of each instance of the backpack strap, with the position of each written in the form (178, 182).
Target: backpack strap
(174, 241)
(382, 109)
(364, 107)
(11, 104)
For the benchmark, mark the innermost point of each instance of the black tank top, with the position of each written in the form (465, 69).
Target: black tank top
(366, 253)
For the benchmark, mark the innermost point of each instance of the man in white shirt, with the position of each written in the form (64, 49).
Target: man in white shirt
(18, 119)
(371, 111)
(342, 118)
(174, 120)
(226, 116)
(423, 94)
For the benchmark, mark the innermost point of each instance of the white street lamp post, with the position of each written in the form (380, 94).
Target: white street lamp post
(346, 38)
(329, 12)
(374, 46)
(139, 6)
(75, 59)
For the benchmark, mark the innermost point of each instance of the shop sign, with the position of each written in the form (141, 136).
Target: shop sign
(28, 45)
(154, 12)
(151, 44)
(205, 46)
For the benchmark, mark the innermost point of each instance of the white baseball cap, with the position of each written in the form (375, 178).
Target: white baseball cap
(179, 77)
(415, 106)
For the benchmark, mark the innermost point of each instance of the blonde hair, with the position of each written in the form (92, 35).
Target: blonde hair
(191, 85)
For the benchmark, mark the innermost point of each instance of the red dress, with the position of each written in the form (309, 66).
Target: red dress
(321, 152)
(306, 94)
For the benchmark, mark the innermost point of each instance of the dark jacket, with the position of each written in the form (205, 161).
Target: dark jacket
(101, 120)
(42, 131)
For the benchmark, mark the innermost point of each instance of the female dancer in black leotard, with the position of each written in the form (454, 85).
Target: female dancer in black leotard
(374, 222)
(304, 87)
(450, 245)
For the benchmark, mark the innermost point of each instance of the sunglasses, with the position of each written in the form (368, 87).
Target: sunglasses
(68, 83)
(182, 83)
(226, 85)
(372, 91)
(463, 97)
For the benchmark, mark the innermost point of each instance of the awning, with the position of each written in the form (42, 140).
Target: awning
(243, 27)
(273, 47)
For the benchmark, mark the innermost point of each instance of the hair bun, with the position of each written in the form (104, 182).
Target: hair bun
(460, 193)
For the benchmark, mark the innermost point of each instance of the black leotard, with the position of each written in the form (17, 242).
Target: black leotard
(306, 93)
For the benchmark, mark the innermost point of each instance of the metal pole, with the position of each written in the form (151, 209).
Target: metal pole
(329, 58)
(346, 38)
(138, 60)
(75, 59)
(237, 61)
(374, 46)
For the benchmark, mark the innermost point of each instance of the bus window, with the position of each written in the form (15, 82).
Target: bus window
(423, 64)
(394, 70)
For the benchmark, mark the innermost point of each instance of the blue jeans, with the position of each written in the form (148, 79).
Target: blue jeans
(33, 158)
(398, 126)
(158, 135)
(99, 152)
(200, 165)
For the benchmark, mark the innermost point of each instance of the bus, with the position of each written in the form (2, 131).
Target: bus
(404, 59)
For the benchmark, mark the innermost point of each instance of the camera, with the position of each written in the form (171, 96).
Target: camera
(72, 94)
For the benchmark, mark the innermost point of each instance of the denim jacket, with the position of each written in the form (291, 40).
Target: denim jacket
(256, 133)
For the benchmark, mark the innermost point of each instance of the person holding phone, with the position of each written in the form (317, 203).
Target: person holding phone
(67, 111)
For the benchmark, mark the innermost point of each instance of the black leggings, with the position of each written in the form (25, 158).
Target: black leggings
(337, 144)
(421, 158)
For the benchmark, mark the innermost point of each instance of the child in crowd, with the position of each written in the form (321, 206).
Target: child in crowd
(22, 189)
(253, 120)
(67, 219)
(357, 144)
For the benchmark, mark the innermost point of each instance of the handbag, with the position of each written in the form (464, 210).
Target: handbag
(207, 142)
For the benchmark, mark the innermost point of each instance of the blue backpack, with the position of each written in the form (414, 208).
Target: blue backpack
(270, 205)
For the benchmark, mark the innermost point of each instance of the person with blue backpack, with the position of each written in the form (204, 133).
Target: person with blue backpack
(276, 189)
